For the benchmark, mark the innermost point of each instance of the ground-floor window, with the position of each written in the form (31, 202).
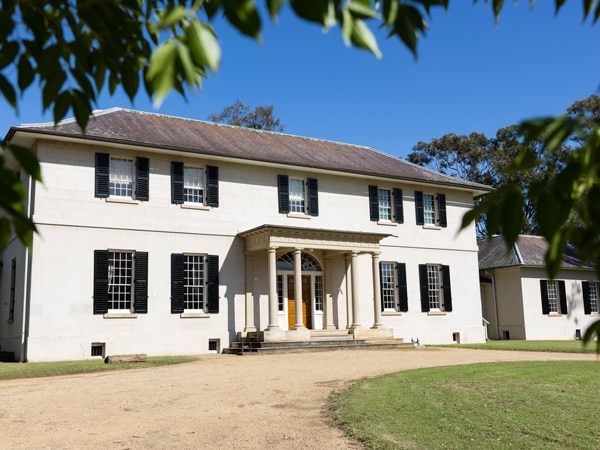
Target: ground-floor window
(193, 282)
(13, 284)
(436, 294)
(554, 298)
(590, 297)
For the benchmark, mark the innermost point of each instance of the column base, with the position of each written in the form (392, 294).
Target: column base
(372, 333)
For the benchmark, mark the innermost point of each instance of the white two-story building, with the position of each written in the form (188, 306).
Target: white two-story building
(168, 236)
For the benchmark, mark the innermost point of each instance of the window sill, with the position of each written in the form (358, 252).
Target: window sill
(436, 313)
(429, 226)
(391, 313)
(555, 315)
(191, 315)
(126, 200)
(386, 223)
(120, 316)
(10, 321)
(299, 216)
(195, 206)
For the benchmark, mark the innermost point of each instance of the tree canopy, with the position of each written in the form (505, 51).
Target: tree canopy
(238, 114)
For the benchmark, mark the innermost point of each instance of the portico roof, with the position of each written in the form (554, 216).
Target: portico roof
(277, 236)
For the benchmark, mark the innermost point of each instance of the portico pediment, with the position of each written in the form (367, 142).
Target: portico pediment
(276, 236)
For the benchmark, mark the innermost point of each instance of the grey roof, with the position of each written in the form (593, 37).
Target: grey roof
(159, 131)
(527, 251)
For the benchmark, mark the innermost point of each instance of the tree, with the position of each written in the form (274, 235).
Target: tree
(74, 49)
(240, 115)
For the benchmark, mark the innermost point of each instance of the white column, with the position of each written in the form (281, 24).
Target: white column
(348, 292)
(249, 293)
(273, 300)
(298, 288)
(355, 297)
(328, 325)
(376, 292)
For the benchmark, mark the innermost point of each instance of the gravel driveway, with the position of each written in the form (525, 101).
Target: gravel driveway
(217, 402)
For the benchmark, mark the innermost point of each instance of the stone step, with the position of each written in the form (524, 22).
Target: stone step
(311, 346)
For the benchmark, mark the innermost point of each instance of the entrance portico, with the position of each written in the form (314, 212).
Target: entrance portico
(295, 271)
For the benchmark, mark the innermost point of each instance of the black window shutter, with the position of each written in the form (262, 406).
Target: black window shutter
(100, 281)
(544, 292)
(177, 268)
(441, 201)
(212, 186)
(176, 183)
(313, 196)
(140, 300)
(419, 208)
(447, 288)
(102, 174)
(424, 287)
(212, 262)
(398, 206)
(373, 203)
(402, 287)
(563, 297)
(585, 289)
(283, 189)
(142, 179)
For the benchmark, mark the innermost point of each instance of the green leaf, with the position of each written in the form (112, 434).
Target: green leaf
(8, 91)
(593, 334)
(318, 11)
(26, 74)
(362, 9)
(161, 71)
(82, 108)
(62, 105)
(27, 160)
(168, 18)
(52, 87)
(274, 6)
(203, 46)
(189, 74)
(8, 54)
(243, 15)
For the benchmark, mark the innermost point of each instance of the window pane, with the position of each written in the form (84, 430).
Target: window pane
(296, 196)
(193, 185)
(121, 177)
(318, 293)
(388, 286)
(120, 272)
(428, 209)
(280, 292)
(193, 282)
(385, 204)
(593, 292)
(552, 296)
(433, 284)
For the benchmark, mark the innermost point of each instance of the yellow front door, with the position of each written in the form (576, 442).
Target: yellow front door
(306, 312)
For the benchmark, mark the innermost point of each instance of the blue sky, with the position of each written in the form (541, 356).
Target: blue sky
(471, 75)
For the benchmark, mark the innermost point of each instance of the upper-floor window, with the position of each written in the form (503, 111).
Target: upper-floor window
(554, 298)
(590, 297)
(394, 295)
(436, 293)
(430, 209)
(189, 185)
(298, 195)
(121, 178)
(120, 281)
(386, 204)
(194, 283)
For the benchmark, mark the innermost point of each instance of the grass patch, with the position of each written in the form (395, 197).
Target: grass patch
(10, 371)
(490, 405)
(532, 346)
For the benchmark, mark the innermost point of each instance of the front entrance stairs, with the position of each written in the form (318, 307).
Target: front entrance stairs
(320, 340)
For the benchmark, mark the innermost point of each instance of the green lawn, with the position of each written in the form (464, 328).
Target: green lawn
(10, 371)
(534, 346)
(496, 405)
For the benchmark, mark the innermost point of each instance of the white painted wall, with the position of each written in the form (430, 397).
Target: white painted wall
(73, 223)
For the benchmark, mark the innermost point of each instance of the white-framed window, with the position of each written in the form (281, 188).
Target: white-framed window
(120, 177)
(297, 196)
(120, 280)
(384, 200)
(553, 297)
(389, 296)
(318, 293)
(434, 287)
(429, 209)
(193, 185)
(593, 297)
(194, 283)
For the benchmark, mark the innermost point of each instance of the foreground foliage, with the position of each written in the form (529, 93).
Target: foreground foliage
(494, 405)
(10, 371)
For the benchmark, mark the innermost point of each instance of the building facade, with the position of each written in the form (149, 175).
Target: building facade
(520, 301)
(169, 236)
